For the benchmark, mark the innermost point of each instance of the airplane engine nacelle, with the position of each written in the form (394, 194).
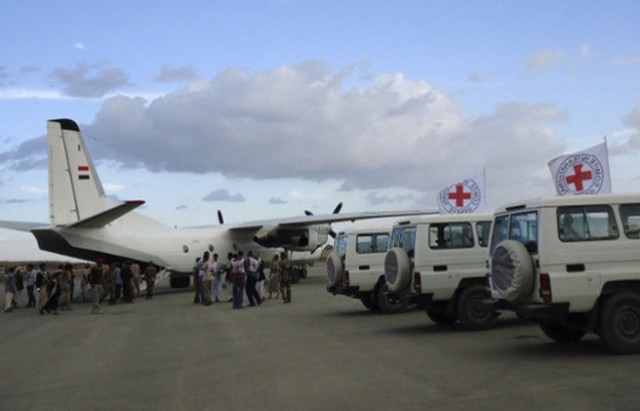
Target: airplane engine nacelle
(303, 239)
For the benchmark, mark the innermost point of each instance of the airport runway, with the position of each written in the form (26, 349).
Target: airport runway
(321, 352)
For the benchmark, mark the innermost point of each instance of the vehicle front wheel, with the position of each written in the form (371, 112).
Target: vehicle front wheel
(436, 313)
(562, 333)
(473, 313)
(619, 323)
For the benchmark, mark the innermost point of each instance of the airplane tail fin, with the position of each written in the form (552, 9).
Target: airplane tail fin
(75, 190)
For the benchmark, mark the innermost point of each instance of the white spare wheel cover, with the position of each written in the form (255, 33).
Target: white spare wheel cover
(334, 269)
(512, 270)
(397, 269)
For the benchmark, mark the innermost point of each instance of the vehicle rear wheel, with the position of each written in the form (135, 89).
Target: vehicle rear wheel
(562, 333)
(389, 301)
(619, 323)
(436, 313)
(473, 312)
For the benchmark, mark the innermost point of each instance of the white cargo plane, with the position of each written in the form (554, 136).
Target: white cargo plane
(86, 224)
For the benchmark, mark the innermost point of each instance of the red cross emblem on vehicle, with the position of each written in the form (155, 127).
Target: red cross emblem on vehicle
(462, 197)
(459, 195)
(579, 177)
(579, 174)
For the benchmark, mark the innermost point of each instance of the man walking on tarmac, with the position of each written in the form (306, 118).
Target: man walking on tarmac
(96, 278)
(285, 267)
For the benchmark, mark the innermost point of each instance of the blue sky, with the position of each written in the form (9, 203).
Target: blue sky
(266, 108)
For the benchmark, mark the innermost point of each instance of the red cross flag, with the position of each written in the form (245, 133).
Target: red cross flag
(584, 172)
(465, 196)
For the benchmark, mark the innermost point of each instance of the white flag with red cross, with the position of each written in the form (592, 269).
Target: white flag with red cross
(584, 172)
(464, 196)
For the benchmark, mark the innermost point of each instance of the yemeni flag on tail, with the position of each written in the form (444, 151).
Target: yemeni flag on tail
(464, 196)
(584, 172)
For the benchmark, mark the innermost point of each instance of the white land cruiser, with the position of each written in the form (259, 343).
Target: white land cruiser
(573, 265)
(438, 263)
(355, 268)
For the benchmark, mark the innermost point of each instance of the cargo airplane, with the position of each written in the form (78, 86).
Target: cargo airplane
(86, 224)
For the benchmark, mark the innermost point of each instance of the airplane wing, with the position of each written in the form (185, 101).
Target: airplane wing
(309, 220)
(307, 232)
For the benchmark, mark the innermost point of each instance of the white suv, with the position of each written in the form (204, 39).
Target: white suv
(438, 263)
(573, 265)
(355, 268)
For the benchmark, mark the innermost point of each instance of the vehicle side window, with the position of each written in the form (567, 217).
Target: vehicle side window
(364, 244)
(630, 214)
(450, 235)
(586, 223)
(372, 243)
(482, 231)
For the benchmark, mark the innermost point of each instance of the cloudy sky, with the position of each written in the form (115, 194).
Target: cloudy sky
(267, 108)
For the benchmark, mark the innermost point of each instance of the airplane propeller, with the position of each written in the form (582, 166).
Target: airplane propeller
(335, 210)
(220, 218)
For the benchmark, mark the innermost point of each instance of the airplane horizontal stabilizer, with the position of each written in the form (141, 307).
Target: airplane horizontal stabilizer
(21, 225)
(105, 217)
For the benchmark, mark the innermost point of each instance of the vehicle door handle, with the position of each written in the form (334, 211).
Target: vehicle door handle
(439, 268)
(575, 268)
(363, 267)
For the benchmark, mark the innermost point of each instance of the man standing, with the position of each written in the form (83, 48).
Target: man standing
(251, 267)
(197, 281)
(217, 270)
(96, 279)
(150, 277)
(42, 282)
(238, 277)
(9, 289)
(127, 282)
(31, 283)
(286, 272)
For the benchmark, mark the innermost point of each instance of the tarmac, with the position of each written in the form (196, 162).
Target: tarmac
(321, 352)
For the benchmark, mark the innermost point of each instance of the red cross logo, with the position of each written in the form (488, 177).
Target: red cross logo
(579, 177)
(459, 195)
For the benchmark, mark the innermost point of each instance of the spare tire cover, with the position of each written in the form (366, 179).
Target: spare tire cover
(397, 269)
(334, 269)
(512, 271)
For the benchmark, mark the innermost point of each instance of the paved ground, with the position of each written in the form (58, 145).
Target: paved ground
(319, 353)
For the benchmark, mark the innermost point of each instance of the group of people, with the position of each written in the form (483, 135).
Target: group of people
(52, 291)
(243, 274)
(120, 282)
(47, 291)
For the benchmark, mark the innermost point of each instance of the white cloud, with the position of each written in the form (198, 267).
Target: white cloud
(627, 61)
(79, 46)
(34, 190)
(223, 195)
(303, 122)
(545, 59)
(89, 80)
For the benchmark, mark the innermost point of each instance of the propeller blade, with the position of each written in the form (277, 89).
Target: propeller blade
(338, 208)
(332, 234)
(307, 212)
(220, 218)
